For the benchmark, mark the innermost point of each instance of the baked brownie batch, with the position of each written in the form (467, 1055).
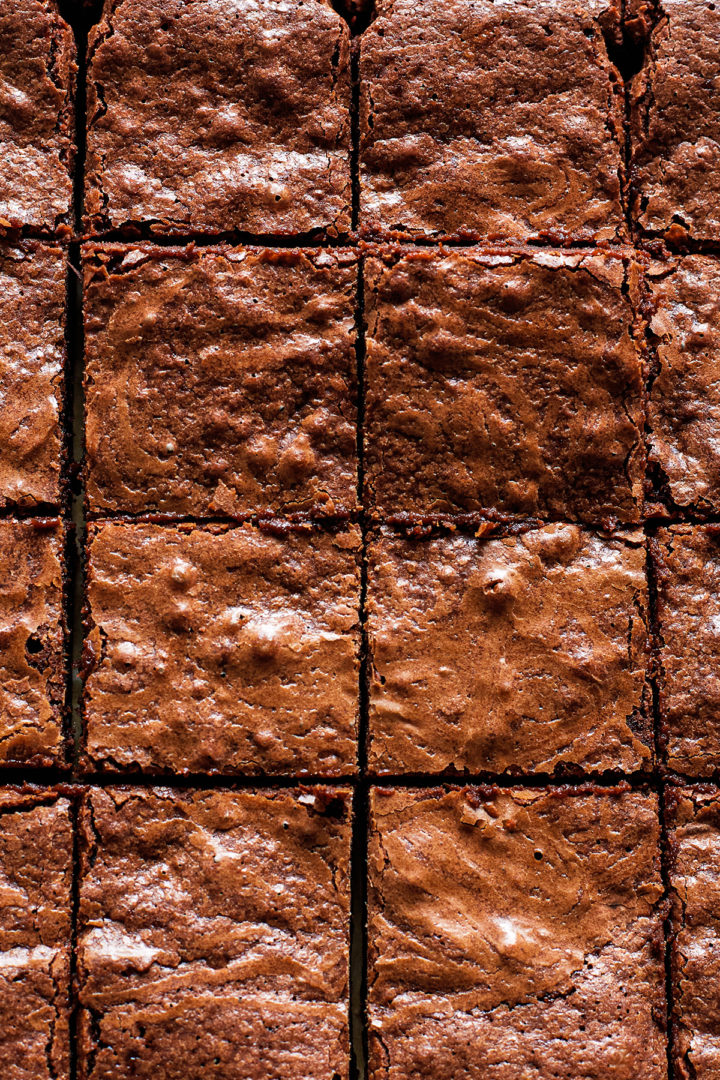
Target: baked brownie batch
(360, 539)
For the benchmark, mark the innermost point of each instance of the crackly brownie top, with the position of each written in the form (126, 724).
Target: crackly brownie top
(220, 381)
(214, 930)
(32, 348)
(35, 905)
(694, 840)
(518, 928)
(525, 651)
(37, 73)
(676, 123)
(32, 669)
(504, 119)
(208, 116)
(504, 382)
(688, 573)
(223, 648)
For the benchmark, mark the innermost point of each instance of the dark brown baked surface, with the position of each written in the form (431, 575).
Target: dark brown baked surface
(37, 80)
(523, 652)
(32, 663)
(504, 382)
(504, 120)
(32, 360)
(222, 649)
(220, 381)
(35, 891)
(515, 933)
(213, 117)
(214, 934)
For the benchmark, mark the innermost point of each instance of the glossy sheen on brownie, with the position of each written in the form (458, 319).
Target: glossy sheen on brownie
(32, 352)
(220, 381)
(32, 667)
(676, 123)
(208, 116)
(35, 928)
(508, 383)
(214, 934)
(502, 119)
(523, 652)
(688, 608)
(37, 76)
(684, 407)
(220, 648)
(693, 822)
(515, 935)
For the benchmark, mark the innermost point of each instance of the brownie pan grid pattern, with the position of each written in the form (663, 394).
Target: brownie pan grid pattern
(502, 866)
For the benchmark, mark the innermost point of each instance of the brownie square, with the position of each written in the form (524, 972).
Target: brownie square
(507, 383)
(32, 665)
(675, 126)
(212, 117)
(516, 933)
(213, 934)
(688, 611)
(32, 355)
(694, 843)
(35, 934)
(497, 119)
(525, 653)
(37, 72)
(222, 649)
(220, 381)
(684, 405)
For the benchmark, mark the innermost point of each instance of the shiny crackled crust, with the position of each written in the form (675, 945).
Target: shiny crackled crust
(524, 652)
(214, 934)
(222, 649)
(515, 933)
(508, 383)
(213, 117)
(220, 381)
(35, 887)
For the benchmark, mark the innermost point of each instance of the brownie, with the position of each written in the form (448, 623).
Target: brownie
(694, 844)
(212, 117)
(498, 119)
(688, 610)
(32, 355)
(37, 74)
(526, 652)
(509, 383)
(213, 934)
(515, 934)
(35, 934)
(222, 649)
(220, 381)
(675, 127)
(32, 665)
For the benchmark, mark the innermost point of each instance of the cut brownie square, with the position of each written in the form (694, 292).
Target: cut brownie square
(222, 649)
(32, 665)
(213, 117)
(32, 355)
(523, 653)
(220, 381)
(694, 843)
(498, 119)
(688, 611)
(507, 383)
(684, 406)
(516, 933)
(35, 934)
(37, 73)
(676, 124)
(214, 934)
